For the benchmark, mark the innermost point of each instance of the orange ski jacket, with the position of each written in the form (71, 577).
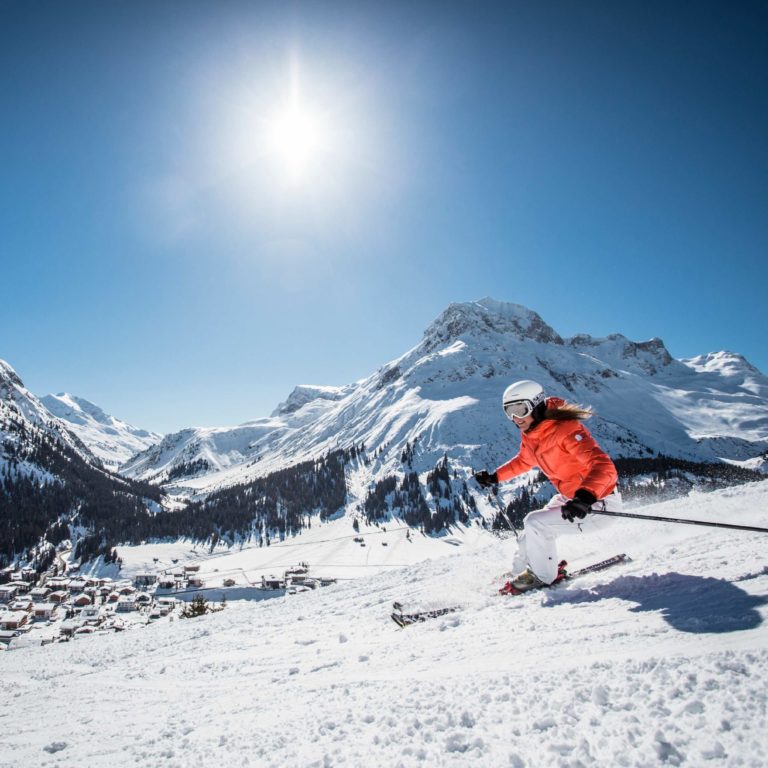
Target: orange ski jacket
(567, 454)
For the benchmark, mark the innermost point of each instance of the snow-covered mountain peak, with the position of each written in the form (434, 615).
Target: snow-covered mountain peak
(479, 318)
(75, 409)
(8, 379)
(649, 356)
(724, 362)
(113, 441)
(18, 399)
(21, 410)
(306, 393)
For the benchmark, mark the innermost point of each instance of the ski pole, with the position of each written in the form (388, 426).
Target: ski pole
(500, 507)
(503, 511)
(680, 520)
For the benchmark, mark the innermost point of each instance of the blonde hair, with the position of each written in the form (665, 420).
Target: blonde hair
(569, 412)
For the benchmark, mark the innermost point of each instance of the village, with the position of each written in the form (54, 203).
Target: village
(39, 609)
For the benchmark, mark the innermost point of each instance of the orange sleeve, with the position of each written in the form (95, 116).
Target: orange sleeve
(601, 477)
(517, 465)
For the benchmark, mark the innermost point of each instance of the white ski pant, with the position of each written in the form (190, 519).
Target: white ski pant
(537, 545)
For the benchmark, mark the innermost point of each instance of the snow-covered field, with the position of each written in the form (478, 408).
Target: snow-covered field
(333, 550)
(663, 661)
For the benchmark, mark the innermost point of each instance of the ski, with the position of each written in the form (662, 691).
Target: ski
(563, 575)
(406, 619)
(403, 619)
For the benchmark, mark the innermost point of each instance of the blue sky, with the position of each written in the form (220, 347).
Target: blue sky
(605, 164)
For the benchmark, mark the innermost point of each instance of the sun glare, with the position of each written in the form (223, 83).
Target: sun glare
(295, 139)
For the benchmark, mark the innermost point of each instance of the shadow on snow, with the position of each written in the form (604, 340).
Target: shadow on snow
(687, 603)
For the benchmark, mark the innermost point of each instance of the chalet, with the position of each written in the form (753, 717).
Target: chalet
(192, 567)
(44, 611)
(126, 590)
(195, 581)
(38, 594)
(13, 620)
(144, 580)
(58, 597)
(67, 628)
(57, 582)
(166, 582)
(29, 575)
(272, 582)
(22, 604)
(82, 600)
(8, 593)
(77, 585)
(126, 605)
(21, 585)
(90, 614)
(113, 597)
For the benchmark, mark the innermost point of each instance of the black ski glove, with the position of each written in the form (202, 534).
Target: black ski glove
(579, 505)
(486, 479)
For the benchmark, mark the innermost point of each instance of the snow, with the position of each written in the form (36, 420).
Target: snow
(663, 661)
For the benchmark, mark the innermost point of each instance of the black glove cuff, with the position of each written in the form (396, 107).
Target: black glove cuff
(586, 496)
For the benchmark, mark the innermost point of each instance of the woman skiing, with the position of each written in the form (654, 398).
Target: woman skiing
(554, 439)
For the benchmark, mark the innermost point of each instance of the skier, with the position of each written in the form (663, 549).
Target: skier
(554, 439)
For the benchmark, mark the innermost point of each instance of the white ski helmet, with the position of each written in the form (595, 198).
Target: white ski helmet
(521, 398)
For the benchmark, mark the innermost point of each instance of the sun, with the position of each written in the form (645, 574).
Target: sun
(296, 139)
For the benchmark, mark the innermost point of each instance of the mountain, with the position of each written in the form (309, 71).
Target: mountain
(109, 439)
(20, 409)
(53, 488)
(442, 398)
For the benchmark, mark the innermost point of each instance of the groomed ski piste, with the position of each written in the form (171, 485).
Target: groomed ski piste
(662, 661)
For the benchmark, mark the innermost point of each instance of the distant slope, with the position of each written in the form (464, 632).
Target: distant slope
(111, 440)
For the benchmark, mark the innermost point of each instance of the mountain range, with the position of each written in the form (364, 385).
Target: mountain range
(402, 441)
(443, 397)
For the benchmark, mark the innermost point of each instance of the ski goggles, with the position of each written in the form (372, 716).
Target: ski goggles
(518, 409)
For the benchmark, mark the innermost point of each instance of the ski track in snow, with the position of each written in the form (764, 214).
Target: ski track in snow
(662, 661)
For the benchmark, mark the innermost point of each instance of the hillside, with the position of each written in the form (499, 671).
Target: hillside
(660, 662)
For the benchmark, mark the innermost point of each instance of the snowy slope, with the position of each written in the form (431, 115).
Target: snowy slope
(113, 441)
(445, 393)
(662, 662)
(20, 410)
